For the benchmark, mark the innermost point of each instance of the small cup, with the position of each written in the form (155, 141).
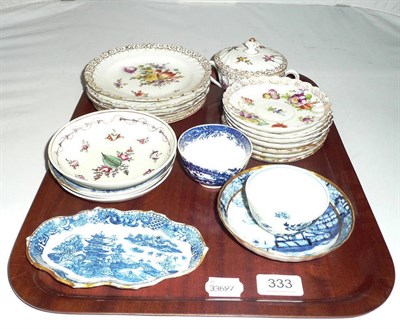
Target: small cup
(212, 153)
(285, 199)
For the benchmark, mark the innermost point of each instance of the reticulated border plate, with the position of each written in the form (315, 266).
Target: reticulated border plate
(125, 249)
(148, 72)
(331, 230)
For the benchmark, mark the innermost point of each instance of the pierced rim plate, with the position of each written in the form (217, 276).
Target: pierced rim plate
(148, 72)
(112, 149)
(331, 230)
(125, 249)
(277, 104)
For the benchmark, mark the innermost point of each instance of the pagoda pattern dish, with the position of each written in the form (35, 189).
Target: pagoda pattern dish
(125, 249)
(330, 231)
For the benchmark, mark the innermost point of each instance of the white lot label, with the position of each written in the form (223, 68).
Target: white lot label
(279, 285)
(224, 287)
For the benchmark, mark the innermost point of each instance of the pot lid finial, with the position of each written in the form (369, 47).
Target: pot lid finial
(251, 46)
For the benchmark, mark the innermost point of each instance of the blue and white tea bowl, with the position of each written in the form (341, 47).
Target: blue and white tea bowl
(213, 153)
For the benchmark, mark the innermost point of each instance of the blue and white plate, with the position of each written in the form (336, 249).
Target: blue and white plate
(331, 230)
(105, 246)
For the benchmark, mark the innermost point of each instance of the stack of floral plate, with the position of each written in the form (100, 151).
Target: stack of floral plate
(112, 156)
(168, 81)
(286, 119)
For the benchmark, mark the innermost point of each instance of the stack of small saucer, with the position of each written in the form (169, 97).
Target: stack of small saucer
(164, 80)
(112, 156)
(286, 119)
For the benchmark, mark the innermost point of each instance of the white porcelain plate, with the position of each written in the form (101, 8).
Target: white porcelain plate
(110, 195)
(276, 104)
(148, 72)
(112, 149)
(331, 230)
(104, 246)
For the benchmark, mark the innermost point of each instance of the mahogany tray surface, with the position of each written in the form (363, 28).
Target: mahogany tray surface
(353, 280)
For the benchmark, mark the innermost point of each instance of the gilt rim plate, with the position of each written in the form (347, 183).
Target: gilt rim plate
(148, 72)
(330, 231)
(105, 246)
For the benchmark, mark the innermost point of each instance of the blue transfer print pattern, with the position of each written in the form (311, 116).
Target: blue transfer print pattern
(131, 248)
(330, 231)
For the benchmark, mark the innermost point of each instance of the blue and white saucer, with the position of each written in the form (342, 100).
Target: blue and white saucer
(330, 231)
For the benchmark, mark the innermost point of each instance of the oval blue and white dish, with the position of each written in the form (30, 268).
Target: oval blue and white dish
(327, 234)
(125, 249)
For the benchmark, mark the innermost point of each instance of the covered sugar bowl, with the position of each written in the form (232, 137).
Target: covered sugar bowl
(246, 61)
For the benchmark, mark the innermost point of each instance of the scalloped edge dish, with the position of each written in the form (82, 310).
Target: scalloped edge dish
(108, 247)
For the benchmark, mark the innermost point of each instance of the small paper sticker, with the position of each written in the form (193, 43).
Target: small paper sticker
(224, 287)
(279, 285)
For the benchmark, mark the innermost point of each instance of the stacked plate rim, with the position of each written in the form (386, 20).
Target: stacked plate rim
(286, 119)
(112, 155)
(168, 81)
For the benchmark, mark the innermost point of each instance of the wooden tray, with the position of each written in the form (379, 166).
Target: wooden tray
(353, 280)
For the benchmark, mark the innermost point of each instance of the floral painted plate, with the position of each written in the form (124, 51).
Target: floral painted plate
(279, 143)
(277, 104)
(293, 137)
(125, 249)
(166, 106)
(112, 149)
(331, 230)
(148, 72)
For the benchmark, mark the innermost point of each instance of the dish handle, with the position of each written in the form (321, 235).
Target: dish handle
(213, 80)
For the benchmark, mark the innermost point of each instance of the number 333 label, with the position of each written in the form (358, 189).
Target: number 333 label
(279, 285)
